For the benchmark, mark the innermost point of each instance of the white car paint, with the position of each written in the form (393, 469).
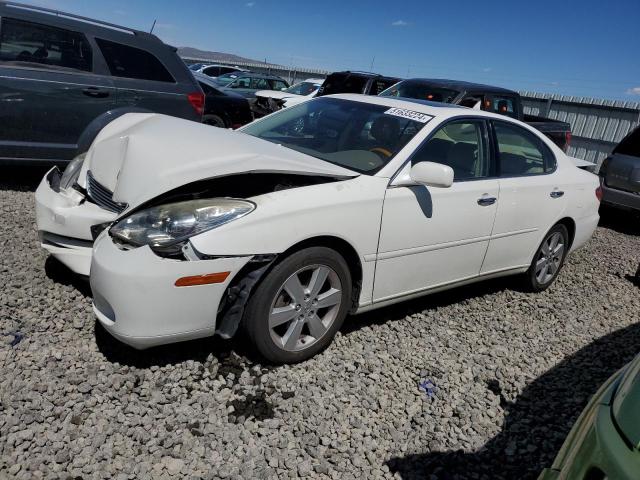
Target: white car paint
(282, 94)
(407, 244)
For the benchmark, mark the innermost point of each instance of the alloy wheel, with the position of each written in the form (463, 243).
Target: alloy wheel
(305, 307)
(550, 258)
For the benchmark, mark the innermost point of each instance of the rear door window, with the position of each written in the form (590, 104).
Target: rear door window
(279, 85)
(521, 152)
(260, 84)
(131, 62)
(33, 44)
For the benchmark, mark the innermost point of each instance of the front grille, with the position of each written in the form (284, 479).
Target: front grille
(102, 196)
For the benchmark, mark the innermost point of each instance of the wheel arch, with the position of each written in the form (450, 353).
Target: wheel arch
(346, 250)
(570, 224)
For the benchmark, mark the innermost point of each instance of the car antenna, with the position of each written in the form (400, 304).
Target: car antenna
(154, 25)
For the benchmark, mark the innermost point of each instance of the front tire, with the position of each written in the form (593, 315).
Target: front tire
(296, 310)
(548, 259)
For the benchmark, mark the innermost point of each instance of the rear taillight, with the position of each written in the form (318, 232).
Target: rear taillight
(567, 141)
(196, 99)
(599, 193)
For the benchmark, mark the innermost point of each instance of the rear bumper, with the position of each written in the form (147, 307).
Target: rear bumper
(620, 198)
(136, 300)
(64, 220)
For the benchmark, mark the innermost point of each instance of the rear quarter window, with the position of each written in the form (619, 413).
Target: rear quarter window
(131, 62)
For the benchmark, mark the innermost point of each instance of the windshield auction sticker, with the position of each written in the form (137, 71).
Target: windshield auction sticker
(410, 114)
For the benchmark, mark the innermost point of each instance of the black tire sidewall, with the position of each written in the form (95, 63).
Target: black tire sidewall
(256, 315)
(211, 119)
(532, 281)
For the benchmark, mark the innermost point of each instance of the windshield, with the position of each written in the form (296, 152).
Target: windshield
(421, 91)
(303, 88)
(355, 135)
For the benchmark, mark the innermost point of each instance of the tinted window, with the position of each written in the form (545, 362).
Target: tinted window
(359, 136)
(421, 91)
(131, 62)
(343, 83)
(460, 145)
(521, 152)
(501, 105)
(224, 70)
(380, 85)
(211, 71)
(31, 43)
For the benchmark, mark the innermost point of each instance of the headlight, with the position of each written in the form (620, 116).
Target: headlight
(167, 225)
(71, 173)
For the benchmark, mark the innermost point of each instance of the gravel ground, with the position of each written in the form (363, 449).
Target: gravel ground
(510, 373)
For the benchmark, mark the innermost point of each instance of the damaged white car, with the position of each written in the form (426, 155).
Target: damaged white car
(339, 205)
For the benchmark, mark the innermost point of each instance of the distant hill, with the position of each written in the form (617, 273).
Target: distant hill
(214, 56)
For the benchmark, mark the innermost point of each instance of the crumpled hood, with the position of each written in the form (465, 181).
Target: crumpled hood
(140, 156)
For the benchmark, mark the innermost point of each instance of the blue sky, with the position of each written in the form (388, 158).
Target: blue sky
(583, 48)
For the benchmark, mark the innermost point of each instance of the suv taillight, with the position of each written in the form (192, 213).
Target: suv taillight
(567, 141)
(196, 99)
(599, 193)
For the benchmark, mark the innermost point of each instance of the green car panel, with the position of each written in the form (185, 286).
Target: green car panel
(597, 446)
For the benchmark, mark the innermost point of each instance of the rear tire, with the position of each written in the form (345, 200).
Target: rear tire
(296, 310)
(214, 121)
(548, 260)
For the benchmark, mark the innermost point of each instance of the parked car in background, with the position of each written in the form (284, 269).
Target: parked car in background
(483, 97)
(215, 70)
(194, 67)
(365, 83)
(248, 83)
(620, 174)
(605, 441)
(222, 109)
(60, 72)
(341, 204)
(226, 78)
(268, 101)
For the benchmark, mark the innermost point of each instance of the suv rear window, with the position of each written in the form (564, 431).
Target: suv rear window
(130, 62)
(343, 83)
(33, 43)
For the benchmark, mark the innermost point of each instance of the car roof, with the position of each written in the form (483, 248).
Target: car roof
(362, 74)
(460, 85)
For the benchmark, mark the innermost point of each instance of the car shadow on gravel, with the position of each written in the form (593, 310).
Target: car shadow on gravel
(433, 301)
(233, 353)
(23, 178)
(537, 422)
(60, 273)
(620, 220)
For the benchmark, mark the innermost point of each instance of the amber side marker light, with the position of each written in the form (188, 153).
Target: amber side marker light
(202, 279)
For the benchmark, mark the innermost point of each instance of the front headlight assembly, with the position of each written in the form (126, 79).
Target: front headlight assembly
(72, 172)
(165, 228)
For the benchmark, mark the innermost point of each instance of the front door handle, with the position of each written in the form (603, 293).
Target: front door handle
(486, 201)
(95, 92)
(556, 194)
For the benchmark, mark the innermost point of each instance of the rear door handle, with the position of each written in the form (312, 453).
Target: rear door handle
(556, 194)
(486, 201)
(95, 92)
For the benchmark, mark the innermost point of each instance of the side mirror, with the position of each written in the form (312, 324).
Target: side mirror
(432, 174)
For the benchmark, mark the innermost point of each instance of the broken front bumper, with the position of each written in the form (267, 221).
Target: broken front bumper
(64, 219)
(136, 300)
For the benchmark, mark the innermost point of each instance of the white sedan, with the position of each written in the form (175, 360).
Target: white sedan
(339, 205)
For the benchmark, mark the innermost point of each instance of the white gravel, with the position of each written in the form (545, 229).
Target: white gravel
(511, 370)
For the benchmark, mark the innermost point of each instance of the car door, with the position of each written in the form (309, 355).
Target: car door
(50, 90)
(143, 81)
(532, 197)
(434, 236)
